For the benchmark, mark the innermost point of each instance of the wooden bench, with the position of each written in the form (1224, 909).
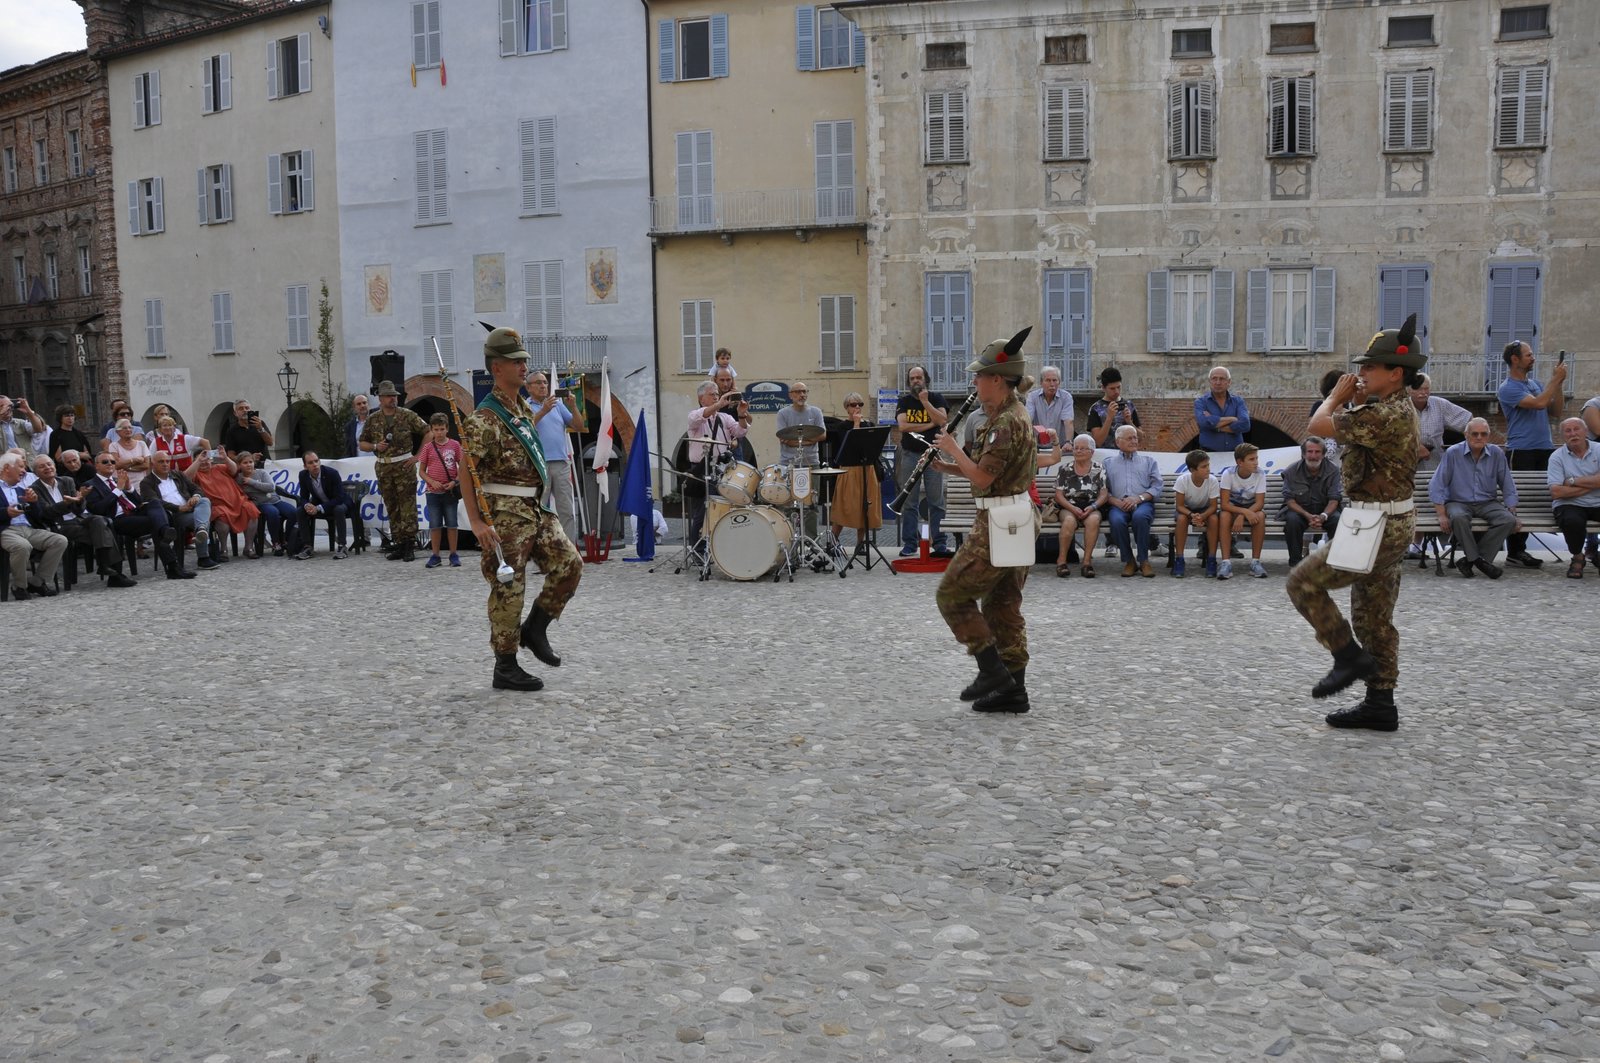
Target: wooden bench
(1533, 508)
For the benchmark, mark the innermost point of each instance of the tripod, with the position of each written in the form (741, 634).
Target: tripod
(860, 450)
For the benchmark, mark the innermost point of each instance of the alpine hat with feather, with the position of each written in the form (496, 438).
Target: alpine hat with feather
(1002, 357)
(1395, 347)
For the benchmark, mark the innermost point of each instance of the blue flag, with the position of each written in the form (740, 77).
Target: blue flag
(635, 497)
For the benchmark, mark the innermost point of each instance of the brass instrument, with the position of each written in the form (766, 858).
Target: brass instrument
(505, 573)
(921, 466)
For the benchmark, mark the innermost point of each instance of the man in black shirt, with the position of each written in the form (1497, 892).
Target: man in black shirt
(920, 413)
(248, 433)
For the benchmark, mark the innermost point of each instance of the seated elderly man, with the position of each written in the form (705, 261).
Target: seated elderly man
(187, 511)
(1133, 481)
(22, 531)
(64, 511)
(111, 496)
(77, 464)
(1464, 486)
(1574, 478)
(1311, 492)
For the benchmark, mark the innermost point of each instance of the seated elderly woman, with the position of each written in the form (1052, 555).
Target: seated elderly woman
(282, 516)
(1082, 497)
(132, 453)
(230, 509)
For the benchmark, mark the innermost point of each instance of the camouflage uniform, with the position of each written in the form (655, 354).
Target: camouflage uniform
(1009, 452)
(527, 530)
(397, 481)
(1378, 444)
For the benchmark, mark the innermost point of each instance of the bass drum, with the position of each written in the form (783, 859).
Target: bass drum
(738, 483)
(774, 489)
(748, 542)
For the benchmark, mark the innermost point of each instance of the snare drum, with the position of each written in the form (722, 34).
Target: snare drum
(749, 541)
(738, 483)
(774, 489)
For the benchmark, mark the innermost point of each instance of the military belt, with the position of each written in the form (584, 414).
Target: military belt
(521, 490)
(1002, 500)
(396, 458)
(1404, 505)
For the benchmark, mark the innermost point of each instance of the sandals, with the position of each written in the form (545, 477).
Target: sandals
(1088, 571)
(1063, 570)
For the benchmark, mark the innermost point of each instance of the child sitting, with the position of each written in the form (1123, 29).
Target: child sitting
(1196, 494)
(1244, 505)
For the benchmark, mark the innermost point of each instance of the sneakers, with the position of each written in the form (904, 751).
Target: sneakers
(1211, 567)
(1224, 570)
(1525, 559)
(1178, 566)
(1414, 552)
(339, 554)
(433, 562)
(1256, 570)
(303, 555)
(206, 564)
(455, 561)
(908, 550)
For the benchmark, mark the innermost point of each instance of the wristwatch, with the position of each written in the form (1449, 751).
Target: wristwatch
(1571, 481)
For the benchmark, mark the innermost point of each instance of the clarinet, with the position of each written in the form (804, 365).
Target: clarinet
(927, 455)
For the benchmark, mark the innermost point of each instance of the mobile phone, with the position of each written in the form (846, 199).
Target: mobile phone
(562, 393)
(1561, 358)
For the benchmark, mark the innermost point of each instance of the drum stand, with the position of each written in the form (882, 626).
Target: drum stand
(820, 558)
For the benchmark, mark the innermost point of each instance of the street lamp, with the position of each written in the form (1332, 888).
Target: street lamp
(288, 377)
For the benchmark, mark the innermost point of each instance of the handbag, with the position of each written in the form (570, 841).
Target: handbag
(1013, 530)
(1357, 539)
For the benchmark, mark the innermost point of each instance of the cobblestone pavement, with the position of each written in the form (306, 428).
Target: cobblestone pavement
(277, 813)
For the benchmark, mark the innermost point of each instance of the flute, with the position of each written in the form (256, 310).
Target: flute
(505, 573)
(927, 455)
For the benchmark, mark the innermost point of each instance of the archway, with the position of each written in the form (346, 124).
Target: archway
(217, 422)
(150, 416)
(306, 426)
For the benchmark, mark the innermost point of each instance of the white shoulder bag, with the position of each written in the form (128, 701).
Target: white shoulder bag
(1356, 539)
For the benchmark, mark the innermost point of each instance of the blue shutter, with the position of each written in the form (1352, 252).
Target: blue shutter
(1222, 310)
(668, 30)
(805, 38)
(858, 46)
(935, 308)
(1079, 290)
(1257, 293)
(1322, 313)
(719, 46)
(1402, 291)
(1513, 306)
(1157, 312)
(1055, 311)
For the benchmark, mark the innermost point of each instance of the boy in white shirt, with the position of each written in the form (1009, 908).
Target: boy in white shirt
(1244, 505)
(1197, 496)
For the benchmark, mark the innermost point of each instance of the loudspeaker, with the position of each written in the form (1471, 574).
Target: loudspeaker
(390, 366)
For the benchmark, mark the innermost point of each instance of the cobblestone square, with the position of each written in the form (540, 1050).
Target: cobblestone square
(277, 813)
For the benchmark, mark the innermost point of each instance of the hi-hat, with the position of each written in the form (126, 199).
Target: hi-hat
(802, 433)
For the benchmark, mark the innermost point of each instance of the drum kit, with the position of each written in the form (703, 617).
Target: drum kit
(755, 523)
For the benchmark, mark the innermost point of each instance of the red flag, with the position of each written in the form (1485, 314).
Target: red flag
(442, 79)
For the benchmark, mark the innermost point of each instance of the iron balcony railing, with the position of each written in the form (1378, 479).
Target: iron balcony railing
(586, 351)
(1480, 375)
(949, 372)
(782, 208)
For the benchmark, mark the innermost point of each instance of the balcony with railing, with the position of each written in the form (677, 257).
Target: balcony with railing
(764, 210)
(1477, 376)
(583, 353)
(949, 374)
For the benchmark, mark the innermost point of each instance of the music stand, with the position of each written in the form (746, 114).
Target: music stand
(860, 449)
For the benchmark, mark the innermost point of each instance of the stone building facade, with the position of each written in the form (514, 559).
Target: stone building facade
(1165, 188)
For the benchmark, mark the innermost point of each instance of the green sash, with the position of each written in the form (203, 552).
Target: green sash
(525, 434)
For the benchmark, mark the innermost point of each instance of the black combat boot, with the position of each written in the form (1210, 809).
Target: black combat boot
(1376, 713)
(1350, 663)
(533, 636)
(992, 676)
(508, 674)
(408, 552)
(1013, 700)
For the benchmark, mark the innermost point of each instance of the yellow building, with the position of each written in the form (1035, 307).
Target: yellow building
(758, 214)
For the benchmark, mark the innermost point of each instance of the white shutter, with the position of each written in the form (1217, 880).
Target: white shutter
(1408, 118)
(1521, 103)
(441, 201)
(691, 341)
(445, 317)
(308, 198)
(934, 144)
(1076, 103)
(1277, 124)
(274, 184)
(227, 191)
(1205, 119)
(419, 35)
(208, 88)
(138, 101)
(1305, 117)
(548, 203)
(305, 62)
(1222, 310)
(1177, 124)
(509, 29)
(1158, 313)
(225, 81)
(528, 131)
(272, 70)
(424, 177)
(704, 180)
(847, 331)
(828, 333)
(205, 193)
(558, 23)
(956, 126)
(160, 223)
(133, 211)
(844, 168)
(155, 97)
(1055, 123)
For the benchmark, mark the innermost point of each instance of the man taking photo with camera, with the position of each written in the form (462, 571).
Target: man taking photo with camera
(247, 435)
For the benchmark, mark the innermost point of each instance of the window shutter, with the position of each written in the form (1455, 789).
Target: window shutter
(1277, 123)
(528, 128)
(1222, 310)
(274, 184)
(1520, 105)
(1055, 123)
(1205, 117)
(685, 180)
(424, 177)
(956, 126)
(690, 331)
(1077, 120)
(846, 319)
(844, 169)
(227, 191)
(1055, 311)
(138, 101)
(419, 35)
(933, 105)
(133, 209)
(823, 132)
(1157, 312)
(308, 198)
(1079, 291)
(936, 314)
(1257, 296)
(828, 333)
(1402, 291)
(225, 81)
(508, 27)
(200, 176)
(1177, 122)
(216, 322)
(444, 316)
(547, 165)
(558, 23)
(1322, 310)
(719, 46)
(305, 62)
(667, 30)
(160, 224)
(704, 179)
(1305, 125)
(272, 70)
(858, 47)
(1408, 123)
(208, 87)
(155, 97)
(805, 44)
(1513, 306)
(428, 299)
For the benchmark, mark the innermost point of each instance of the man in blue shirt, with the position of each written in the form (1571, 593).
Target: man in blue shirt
(1221, 415)
(1528, 407)
(1464, 486)
(551, 416)
(1133, 481)
(1574, 479)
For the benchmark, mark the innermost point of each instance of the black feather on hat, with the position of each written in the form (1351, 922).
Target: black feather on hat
(1395, 347)
(1002, 357)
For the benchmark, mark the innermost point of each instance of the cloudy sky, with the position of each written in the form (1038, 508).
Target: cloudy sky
(38, 29)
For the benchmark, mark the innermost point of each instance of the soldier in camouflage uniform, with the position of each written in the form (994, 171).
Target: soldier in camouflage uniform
(994, 632)
(1378, 443)
(500, 442)
(392, 434)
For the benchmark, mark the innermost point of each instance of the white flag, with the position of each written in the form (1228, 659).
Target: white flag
(602, 440)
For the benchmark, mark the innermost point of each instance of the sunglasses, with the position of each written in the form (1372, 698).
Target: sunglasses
(848, 405)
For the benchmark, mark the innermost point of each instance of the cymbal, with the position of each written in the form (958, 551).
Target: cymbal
(828, 472)
(802, 433)
(711, 442)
